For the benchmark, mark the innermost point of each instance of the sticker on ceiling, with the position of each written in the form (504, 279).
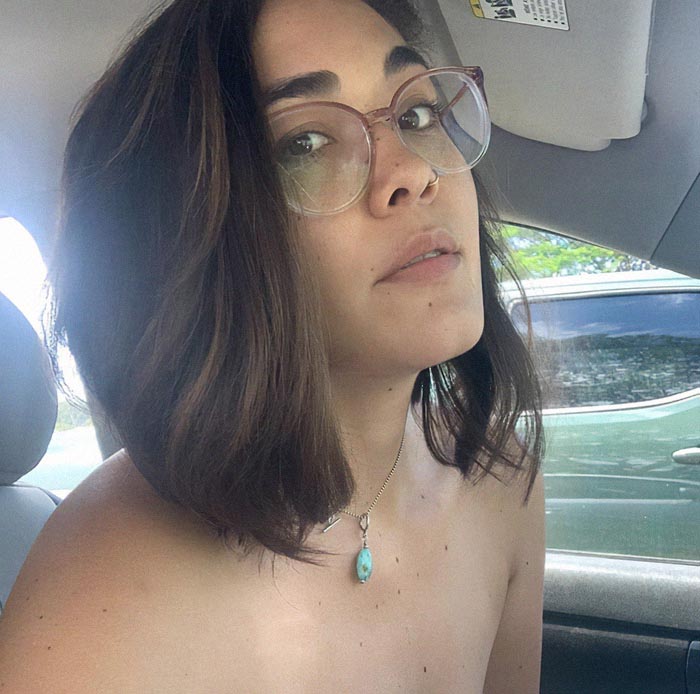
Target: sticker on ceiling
(550, 14)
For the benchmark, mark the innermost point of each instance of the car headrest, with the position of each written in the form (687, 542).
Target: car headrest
(28, 402)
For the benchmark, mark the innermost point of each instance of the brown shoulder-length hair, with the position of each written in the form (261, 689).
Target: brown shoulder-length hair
(178, 282)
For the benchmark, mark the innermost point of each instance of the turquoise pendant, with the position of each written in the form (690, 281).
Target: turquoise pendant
(364, 556)
(364, 564)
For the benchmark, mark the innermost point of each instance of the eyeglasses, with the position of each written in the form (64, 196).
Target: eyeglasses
(325, 153)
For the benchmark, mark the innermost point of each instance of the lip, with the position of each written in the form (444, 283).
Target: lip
(429, 270)
(434, 238)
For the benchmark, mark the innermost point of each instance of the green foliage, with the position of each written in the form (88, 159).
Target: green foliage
(538, 254)
(70, 416)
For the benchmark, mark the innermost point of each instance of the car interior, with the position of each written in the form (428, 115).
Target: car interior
(595, 137)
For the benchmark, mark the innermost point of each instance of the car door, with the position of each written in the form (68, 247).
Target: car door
(619, 358)
(622, 364)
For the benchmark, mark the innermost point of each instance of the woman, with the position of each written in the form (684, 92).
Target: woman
(230, 276)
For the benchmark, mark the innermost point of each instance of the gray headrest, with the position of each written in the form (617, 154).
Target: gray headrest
(28, 403)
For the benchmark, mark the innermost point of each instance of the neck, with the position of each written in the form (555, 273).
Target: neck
(374, 416)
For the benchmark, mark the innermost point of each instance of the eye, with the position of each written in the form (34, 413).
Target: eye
(302, 144)
(419, 117)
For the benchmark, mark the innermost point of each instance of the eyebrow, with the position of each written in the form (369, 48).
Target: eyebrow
(325, 82)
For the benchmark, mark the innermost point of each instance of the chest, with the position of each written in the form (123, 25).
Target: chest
(424, 622)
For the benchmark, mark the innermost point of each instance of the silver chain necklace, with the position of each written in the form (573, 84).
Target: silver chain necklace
(364, 557)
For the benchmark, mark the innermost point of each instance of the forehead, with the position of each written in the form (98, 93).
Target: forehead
(343, 36)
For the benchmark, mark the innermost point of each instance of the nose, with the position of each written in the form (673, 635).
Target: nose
(400, 177)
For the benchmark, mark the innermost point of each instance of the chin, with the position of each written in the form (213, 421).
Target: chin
(454, 340)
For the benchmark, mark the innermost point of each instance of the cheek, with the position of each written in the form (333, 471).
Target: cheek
(333, 259)
(462, 194)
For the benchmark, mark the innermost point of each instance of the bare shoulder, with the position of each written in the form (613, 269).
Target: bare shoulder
(97, 589)
(520, 515)
(514, 663)
(525, 494)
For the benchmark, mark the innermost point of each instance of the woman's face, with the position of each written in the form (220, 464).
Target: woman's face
(376, 327)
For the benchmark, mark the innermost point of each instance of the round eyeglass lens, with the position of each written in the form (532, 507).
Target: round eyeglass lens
(323, 155)
(443, 118)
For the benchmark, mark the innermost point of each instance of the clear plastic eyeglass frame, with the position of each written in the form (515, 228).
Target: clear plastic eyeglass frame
(473, 81)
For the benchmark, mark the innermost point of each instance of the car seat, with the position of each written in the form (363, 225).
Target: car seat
(28, 410)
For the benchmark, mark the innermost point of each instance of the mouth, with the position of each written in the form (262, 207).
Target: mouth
(431, 267)
(429, 246)
(432, 254)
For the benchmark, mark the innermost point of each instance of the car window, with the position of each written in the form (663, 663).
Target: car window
(618, 352)
(617, 348)
(73, 451)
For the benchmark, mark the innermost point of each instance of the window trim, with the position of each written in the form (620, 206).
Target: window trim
(639, 404)
(615, 587)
